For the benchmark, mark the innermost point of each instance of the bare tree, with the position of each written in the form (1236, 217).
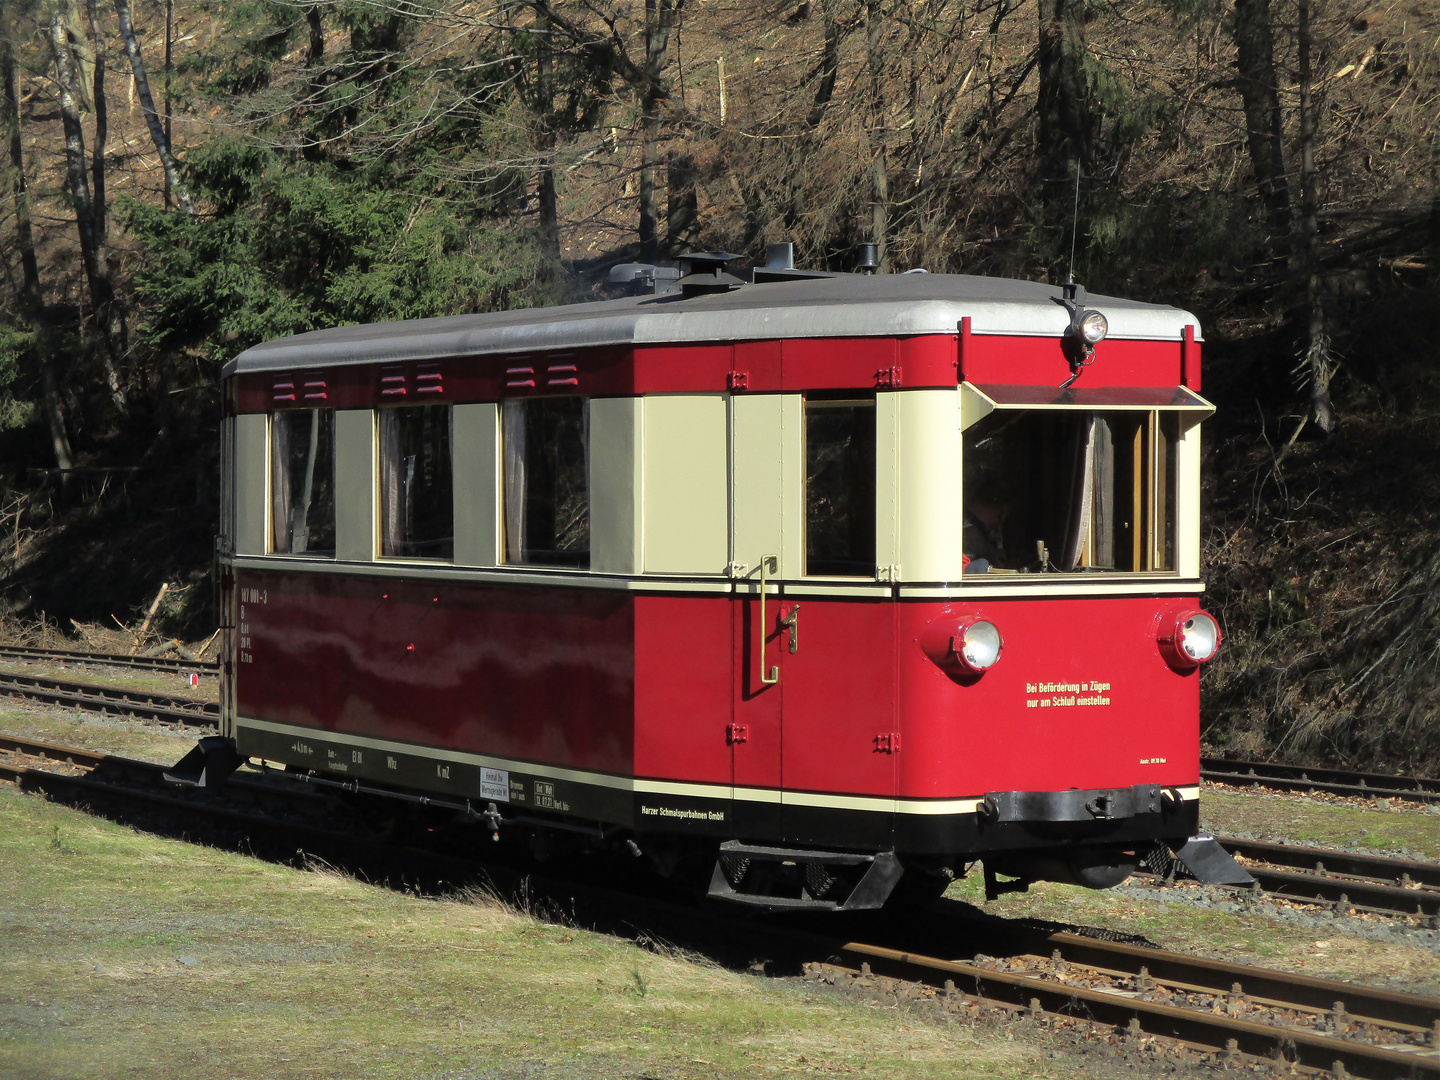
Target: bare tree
(1259, 92)
(31, 299)
(147, 104)
(545, 106)
(97, 98)
(876, 132)
(106, 309)
(659, 20)
(829, 62)
(1064, 103)
(1319, 365)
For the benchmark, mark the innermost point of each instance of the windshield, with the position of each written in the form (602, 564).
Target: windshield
(1070, 491)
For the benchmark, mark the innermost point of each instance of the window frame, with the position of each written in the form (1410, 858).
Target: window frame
(503, 552)
(1186, 408)
(271, 547)
(378, 415)
(839, 399)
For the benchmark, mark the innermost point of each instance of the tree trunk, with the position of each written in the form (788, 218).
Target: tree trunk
(829, 63)
(659, 17)
(316, 52)
(1259, 93)
(545, 105)
(879, 166)
(82, 50)
(1318, 360)
(169, 74)
(97, 156)
(51, 402)
(147, 103)
(24, 233)
(1064, 102)
(682, 212)
(102, 294)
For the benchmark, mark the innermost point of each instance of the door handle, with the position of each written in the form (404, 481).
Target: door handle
(771, 675)
(792, 623)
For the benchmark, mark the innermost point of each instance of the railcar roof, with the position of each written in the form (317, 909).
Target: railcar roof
(846, 305)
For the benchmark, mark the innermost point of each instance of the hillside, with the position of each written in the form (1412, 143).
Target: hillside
(1268, 164)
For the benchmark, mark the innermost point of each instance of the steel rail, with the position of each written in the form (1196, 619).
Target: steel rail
(1131, 1012)
(69, 656)
(1403, 1023)
(111, 701)
(1335, 861)
(1304, 779)
(1342, 878)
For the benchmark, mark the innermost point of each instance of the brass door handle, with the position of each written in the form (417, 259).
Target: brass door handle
(792, 623)
(771, 676)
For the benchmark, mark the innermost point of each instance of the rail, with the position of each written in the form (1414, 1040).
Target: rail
(1304, 779)
(68, 656)
(110, 701)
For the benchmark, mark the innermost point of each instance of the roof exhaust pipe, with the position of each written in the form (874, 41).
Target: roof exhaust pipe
(869, 259)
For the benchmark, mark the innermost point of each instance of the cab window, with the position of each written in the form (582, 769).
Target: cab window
(1070, 491)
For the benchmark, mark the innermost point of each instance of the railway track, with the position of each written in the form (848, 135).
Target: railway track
(1232, 1010)
(149, 663)
(112, 702)
(1304, 779)
(1342, 878)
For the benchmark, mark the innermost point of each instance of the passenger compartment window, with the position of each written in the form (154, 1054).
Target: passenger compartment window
(417, 491)
(302, 482)
(840, 487)
(1070, 491)
(546, 490)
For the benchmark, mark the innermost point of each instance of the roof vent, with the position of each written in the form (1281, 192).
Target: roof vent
(705, 273)
(780, 256)
(642, 278)
(869, 258)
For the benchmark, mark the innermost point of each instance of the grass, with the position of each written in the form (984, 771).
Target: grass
(124, 954)
(128, 738)
(1311, 821)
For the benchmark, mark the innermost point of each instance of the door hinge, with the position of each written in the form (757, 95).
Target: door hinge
(736, 733)
(890, 572)
(887, 742)
(738, 380)
(888, 376)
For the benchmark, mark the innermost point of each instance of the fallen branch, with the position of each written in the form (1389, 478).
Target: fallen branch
(149, 616)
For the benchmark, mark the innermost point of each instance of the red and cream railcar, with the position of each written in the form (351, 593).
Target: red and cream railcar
(821, 576)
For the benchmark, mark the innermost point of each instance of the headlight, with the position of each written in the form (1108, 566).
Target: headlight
(977, 646)
(1189, 639)
(1093, 327)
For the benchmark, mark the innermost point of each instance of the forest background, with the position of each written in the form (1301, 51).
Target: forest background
(186, 178)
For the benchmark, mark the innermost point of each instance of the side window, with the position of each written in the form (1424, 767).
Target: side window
(302, 482)
(840, 487)
(546, 481)
(417, 492)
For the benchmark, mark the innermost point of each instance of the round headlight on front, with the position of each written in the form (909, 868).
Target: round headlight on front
(1093, 327)
(1199, 637)
(1189, 639)
(977, 646)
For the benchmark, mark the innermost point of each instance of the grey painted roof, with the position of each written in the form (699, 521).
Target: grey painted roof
(846, 305)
